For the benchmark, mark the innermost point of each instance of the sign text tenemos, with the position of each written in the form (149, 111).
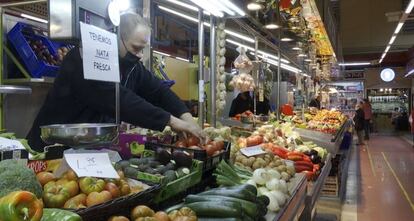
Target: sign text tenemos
(99, 53)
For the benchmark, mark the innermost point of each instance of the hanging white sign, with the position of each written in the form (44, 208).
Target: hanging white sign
(99, 54)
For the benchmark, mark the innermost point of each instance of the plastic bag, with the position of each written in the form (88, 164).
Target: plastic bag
(243, 63)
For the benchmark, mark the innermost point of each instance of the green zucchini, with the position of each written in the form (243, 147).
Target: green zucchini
(249, 208)
(218, 219)
(175, 207)
(217, 209)
(240, 193)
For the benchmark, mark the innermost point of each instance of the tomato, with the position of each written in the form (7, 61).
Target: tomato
(45, 177)
(113, 189)
(118, 218)
(142, 211)
(70, 175)
(254, 140)
(55, 196)
(96, 198)
(124, 187)
(181, 143)
(219, 145)
(71, 185)
(91, 184)
(161, 216)
(193, 141)
(76, 202)
(210, 149)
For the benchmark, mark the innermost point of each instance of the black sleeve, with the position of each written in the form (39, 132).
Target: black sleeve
(101, 97)
(233, 108)
(153, 90)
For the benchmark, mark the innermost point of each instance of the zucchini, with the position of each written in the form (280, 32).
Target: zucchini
(249, 208)
(217, 209)
(175, 207)
(240, 193)
(218, 219)
(263, 200)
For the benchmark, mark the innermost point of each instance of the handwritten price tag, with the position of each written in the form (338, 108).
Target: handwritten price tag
(88, 164)
(252, 151)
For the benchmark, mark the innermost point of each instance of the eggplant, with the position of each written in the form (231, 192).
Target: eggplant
(315, 159)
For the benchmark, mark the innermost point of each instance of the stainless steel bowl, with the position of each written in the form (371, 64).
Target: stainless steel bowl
(80, 135)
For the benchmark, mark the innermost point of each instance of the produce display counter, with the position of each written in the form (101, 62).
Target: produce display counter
(314, 190)
(328, 141)
(296, 204)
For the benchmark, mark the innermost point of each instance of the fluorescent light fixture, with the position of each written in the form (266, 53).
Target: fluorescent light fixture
(178, 14)
(232, 33)
(380, 61)
(409, 7)
(392, 39)
(243, 37)
(409, 73)
(234, 7)
(308, 60)
(123, 5)
(302, 55)
(283, 66)
(254, 6)
(355, 64)
(34, 18)
(222, 7)
(272, 26)
(162, 53)
(296, 49)
(286, 39)
(182, 59)
(259, 51)
(208, 6)
(387, 49)
(182, 4)
(399, 26)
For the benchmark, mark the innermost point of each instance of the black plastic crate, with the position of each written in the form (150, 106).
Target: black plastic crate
(209, 163)
(119, 206)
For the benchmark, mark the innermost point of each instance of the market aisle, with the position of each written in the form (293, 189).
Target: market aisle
(386, 180)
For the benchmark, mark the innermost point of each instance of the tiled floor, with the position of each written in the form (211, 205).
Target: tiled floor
(381, 181)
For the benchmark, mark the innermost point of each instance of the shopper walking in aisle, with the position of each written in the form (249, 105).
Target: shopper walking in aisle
(367, 117)
(359, 119)
(144, 100)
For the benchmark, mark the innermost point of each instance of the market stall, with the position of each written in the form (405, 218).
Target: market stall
(257, 165)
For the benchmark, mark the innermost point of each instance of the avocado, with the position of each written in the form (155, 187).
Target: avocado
(161, 168)
(131, 172)
(143, 167)
(151, 171)
(122, 164)
(170, 176)
(182, 159)
(163, 156)
(170, 166)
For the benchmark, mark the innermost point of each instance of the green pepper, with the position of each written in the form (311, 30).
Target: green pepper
(54, 195)
(20, 206)
(59, 214)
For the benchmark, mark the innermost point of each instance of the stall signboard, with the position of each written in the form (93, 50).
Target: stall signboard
(99, 53)
(86, 164)
(354, 75)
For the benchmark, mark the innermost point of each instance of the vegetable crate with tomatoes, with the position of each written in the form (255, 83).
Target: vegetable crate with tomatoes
(210, 154)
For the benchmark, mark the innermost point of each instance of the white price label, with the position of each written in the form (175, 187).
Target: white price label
(99, 54)
(201, 91)
(87, 164)
(252, 151)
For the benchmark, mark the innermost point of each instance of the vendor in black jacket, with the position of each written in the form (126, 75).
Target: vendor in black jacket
(144, 100)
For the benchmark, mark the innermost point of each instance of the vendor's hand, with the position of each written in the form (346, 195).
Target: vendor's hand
(185, 127)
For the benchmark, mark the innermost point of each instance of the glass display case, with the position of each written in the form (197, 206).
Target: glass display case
(389, 100)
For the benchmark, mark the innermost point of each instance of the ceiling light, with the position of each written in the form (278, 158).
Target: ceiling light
(272, 20)
(232, 33)
(286, 39)
(162, 53)
(409, 7)
(182, 59)
(399, 26)
(254, 6)
(355, 64)
(259, 51)
(392, 39)
(272, 26)
(34, 18)
(192, 8)
(302, 55)
(296, 48)
(387, 74)
(409, 73)
(206, 5)
(308, 60)
(276, 63)
(234, 7)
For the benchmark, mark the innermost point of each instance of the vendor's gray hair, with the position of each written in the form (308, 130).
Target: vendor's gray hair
(130, 21)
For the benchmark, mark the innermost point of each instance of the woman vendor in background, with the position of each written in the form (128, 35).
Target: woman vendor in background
(244, 102)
